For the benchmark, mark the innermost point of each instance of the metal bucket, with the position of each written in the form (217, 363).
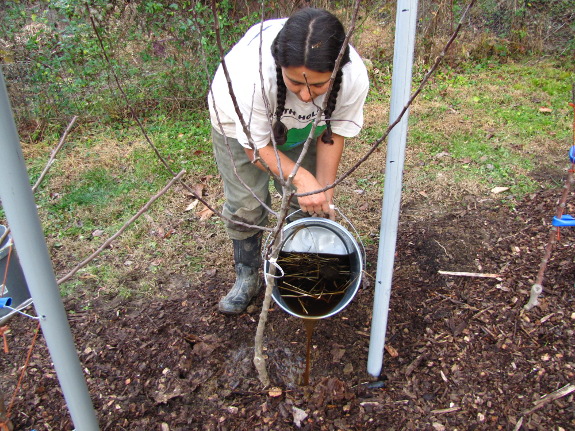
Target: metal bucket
(14, 286)
(314, 238)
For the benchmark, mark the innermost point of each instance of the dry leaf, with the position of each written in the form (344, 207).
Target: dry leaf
(199, 189)
(298, 416)
(275, 392)
(97, 233)
(192, 205)
(545, 109)
(205, 214)
(496, 190)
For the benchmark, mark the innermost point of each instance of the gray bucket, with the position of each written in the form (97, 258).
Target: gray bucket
(14, 286)
(331, 264)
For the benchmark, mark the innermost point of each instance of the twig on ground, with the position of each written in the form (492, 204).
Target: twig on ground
(122, 229)
(470, 274)
(543, 401)
(447, 410)
(54, 153)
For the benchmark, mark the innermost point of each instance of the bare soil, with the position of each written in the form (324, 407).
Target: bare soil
(462, 353)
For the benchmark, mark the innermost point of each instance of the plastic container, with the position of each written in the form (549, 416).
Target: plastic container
(310, 237)
(12, 282)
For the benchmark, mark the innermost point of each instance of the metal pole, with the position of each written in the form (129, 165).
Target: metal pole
(22, 216)
(405, 24)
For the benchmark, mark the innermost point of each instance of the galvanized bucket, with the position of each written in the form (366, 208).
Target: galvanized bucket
(331, 263)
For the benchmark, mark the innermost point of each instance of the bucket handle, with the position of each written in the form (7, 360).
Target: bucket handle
(357, 237)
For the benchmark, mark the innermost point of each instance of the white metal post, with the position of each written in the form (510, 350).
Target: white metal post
(405, 26)
(18, 203)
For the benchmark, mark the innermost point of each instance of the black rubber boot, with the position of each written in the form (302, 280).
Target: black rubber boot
(247, 256)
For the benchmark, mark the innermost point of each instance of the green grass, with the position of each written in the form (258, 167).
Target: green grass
(488, 123)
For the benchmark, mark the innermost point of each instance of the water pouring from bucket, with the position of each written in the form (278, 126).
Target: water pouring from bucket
(321, 268)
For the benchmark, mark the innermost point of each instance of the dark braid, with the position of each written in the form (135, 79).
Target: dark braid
(308, 30)
(326, 138)
(279, 129)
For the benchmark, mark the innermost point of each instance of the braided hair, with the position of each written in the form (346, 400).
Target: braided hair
(311, 38)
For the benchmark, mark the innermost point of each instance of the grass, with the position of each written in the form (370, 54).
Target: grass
(472, 129)
(486, 125)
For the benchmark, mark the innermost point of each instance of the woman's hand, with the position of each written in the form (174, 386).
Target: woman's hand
(316, 204)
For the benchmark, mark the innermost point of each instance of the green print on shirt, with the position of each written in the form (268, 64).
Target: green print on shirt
(297, 137)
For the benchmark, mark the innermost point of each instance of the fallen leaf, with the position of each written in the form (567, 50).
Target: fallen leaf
(205, 214)
(97, 233)
(337, 353)
(198, 152)
(545, 109)
(192, 205)
(275, 392)
(298, 416)
(210, 273)
(162, 397)
(496, 190)
(199, 189)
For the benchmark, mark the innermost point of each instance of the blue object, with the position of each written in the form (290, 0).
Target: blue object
(572, 154)
(5, 302)
(15, 285)
(565, 220)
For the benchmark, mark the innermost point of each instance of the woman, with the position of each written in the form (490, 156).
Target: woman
(280, 73)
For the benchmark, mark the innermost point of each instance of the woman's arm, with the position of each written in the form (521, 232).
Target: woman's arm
(328, 158)
(304, 181)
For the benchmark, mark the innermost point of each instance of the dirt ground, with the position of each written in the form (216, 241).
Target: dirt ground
(462, 354)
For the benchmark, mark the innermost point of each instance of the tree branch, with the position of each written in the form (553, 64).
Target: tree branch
(274, 247)
(55, 151)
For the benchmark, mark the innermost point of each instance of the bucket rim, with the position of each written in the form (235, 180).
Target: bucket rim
(337, 229)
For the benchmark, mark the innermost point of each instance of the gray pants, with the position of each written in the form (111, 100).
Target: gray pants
(240, 203)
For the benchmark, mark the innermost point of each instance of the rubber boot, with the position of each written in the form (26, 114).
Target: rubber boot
(247, 257)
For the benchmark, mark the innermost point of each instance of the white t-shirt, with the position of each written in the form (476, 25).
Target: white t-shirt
(253, 94)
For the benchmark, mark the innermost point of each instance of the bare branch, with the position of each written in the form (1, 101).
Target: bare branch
(275, 246)
(559, 393)
(55, 151)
